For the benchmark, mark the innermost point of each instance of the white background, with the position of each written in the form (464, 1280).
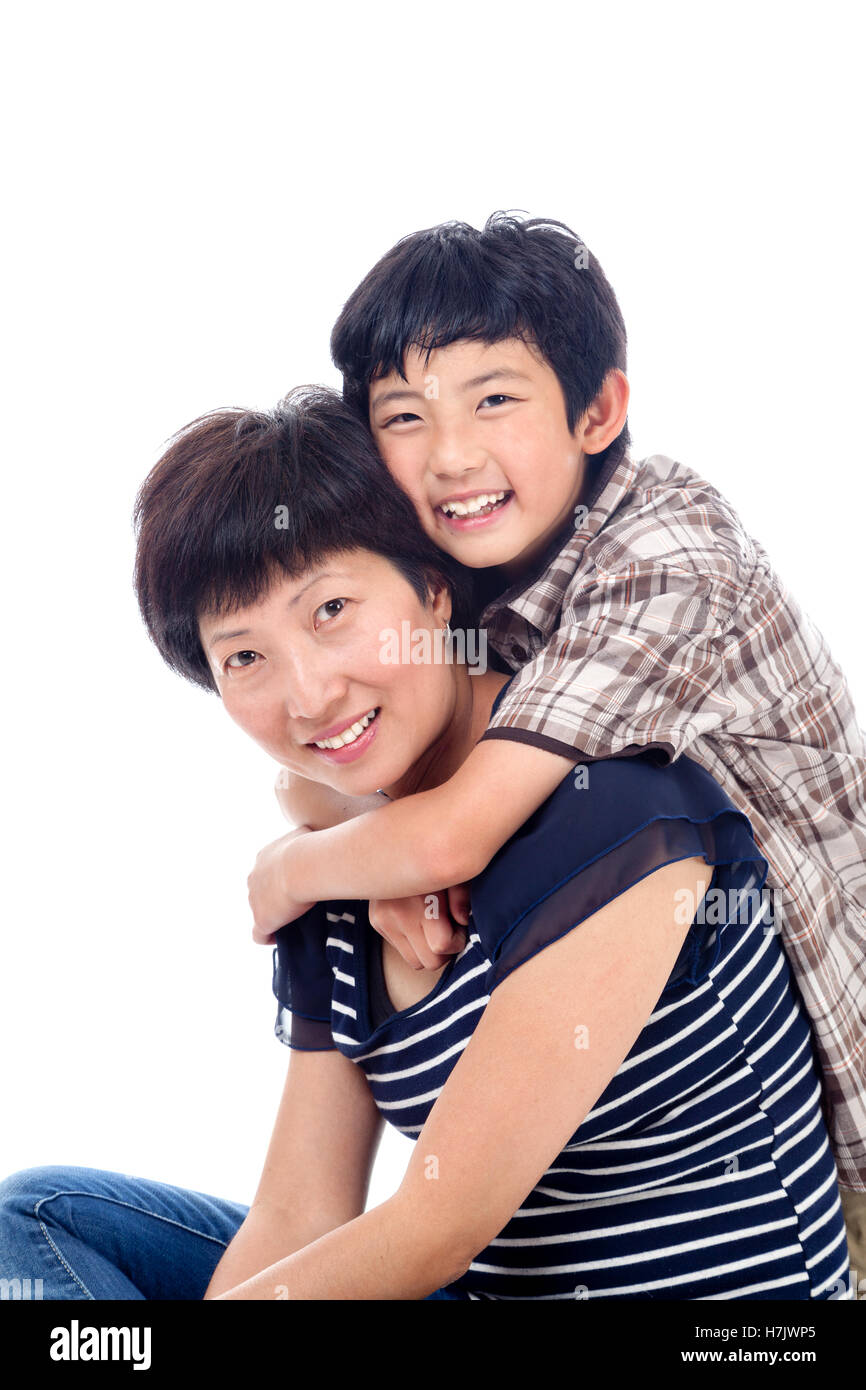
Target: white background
(193, 192)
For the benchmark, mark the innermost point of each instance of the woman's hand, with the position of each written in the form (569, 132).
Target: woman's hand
(425, 929)
(270, 895)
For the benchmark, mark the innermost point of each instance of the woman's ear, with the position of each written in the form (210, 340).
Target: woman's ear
(440, 602)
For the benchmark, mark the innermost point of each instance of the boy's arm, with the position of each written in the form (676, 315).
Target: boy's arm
(317, 805)
(421, 843)
(424, 929)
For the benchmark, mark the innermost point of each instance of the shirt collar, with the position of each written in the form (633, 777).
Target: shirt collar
(554, 569)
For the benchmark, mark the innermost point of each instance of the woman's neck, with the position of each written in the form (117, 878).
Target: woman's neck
(474, 696)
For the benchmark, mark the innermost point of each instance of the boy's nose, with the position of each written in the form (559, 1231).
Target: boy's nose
(455, 462)
(454, 452)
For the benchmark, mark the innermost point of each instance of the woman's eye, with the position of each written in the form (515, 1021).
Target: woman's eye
(332, 609)
(244, 664)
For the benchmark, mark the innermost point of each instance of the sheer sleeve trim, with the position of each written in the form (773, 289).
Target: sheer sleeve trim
(302, 980)
(723, 841)
(303, 1034)
(597, 836)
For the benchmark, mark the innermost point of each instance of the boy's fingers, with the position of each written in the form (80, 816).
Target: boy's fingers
(459, 904)
(404, 946)
(443, 939)
(424, 941)
(383, 920)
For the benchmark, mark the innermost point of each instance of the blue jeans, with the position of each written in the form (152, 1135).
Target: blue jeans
(81, 1233)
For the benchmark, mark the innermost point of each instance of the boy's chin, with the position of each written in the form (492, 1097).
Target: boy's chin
(478, 557)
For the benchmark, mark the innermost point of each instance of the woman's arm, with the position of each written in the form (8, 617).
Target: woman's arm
(317, 1168)
(515, 1097)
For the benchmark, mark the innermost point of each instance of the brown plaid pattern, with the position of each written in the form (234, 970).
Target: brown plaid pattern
(656, 620)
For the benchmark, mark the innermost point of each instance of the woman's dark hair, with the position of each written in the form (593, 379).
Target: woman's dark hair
(241, 496)
(531, 279)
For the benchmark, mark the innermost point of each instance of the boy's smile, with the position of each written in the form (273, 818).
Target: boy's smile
(478, 438)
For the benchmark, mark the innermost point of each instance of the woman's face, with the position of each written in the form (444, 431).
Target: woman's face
(311, 659)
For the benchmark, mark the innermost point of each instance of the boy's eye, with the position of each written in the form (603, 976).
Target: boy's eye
(398, 419)
(328, 609)
(497, 399)
(231, 659)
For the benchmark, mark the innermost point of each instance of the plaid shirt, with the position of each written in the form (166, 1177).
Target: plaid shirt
(657, 621)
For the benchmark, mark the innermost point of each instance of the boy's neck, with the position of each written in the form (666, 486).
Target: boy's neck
(498, 580)
(511, 577)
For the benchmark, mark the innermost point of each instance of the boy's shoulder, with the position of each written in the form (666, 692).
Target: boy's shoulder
(657, 512)
(651, 530)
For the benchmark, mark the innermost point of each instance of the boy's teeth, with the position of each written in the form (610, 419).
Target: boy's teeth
(348, 735)
(474, 505)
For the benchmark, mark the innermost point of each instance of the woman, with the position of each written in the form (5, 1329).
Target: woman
(612, 1086)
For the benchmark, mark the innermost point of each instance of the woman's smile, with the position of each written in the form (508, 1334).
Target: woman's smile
(357, 739)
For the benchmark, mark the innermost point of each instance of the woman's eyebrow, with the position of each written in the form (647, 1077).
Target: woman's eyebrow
(243, 631)
(502, 373)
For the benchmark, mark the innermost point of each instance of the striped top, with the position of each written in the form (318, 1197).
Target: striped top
(655, 620)
(703, 1171)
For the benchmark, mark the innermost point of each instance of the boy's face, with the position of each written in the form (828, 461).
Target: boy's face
(480, 421)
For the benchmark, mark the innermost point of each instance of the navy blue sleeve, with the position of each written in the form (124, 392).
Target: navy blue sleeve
(605, 828)
(302, 982)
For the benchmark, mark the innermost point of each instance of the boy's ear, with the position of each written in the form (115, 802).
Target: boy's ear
(605, 417)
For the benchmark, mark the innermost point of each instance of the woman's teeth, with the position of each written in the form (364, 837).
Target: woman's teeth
(349, 735)
(474, 506)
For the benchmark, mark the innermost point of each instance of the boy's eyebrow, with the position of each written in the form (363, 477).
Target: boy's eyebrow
(243, 631)
(500, 373)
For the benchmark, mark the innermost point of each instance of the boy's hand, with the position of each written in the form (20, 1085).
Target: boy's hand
(270, 896)
(424, 929)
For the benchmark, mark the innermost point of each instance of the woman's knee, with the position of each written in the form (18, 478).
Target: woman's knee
(21, 1192)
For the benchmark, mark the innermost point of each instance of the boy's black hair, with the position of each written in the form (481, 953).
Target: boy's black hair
(532, 279)
(206, 517)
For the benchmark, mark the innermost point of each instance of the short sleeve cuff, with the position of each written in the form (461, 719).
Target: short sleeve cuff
(659, 753)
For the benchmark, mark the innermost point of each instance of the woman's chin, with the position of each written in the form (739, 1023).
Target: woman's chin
(358, 781)
(364, 782)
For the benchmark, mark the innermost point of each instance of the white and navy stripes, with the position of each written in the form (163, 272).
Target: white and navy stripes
(702, 1172)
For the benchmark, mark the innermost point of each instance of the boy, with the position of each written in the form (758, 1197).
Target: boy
(626, 595)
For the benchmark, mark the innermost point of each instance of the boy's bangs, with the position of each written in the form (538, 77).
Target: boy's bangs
(438, 325)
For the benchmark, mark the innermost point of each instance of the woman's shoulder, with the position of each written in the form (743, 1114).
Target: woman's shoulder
(607, 825)
(599, 803)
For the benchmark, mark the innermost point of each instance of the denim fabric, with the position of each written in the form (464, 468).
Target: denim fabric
(83, 1233)
(89, 1234)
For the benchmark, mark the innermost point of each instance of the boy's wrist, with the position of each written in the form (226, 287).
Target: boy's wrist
(296, 863)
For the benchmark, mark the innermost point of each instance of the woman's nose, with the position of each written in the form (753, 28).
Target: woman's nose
(313, 691)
